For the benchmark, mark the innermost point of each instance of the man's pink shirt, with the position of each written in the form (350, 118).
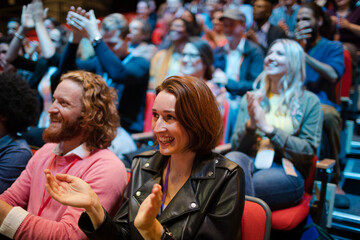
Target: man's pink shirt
(102, 170)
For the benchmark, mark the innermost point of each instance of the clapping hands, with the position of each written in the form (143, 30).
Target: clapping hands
(83, 23)
(256, 113)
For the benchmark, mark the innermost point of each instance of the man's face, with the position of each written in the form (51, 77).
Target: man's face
(114, 42)
(65, 113)
(12, 27)
(262, 10)
(136, 32)
(289, 3)
(305, 19)
(55, 36)
(173, 5)
(4, 47)
(142, 10)
(233, 29)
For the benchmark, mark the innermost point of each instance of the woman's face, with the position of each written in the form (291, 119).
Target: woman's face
(191, 62)
(177, 30)
(170, 134)
(275, 61)
(217, 24)
(342, 3)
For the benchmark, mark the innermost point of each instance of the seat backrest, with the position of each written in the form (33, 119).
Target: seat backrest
(150, 98)
(342, 88)
(256, 220)
(309, 181)
(225, 118)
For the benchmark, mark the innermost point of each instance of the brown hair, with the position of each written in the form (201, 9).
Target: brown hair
(99, 116)
(197, 111)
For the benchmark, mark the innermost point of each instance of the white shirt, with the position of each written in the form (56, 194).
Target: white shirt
(233, 60)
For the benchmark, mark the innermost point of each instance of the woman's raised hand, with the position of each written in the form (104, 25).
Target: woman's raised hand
(257, 114)
(145, 220)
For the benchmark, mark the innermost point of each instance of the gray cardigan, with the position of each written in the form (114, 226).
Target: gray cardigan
(298, 147)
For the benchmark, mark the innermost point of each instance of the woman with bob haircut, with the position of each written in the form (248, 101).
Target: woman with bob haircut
(181, 191)
(279, 125)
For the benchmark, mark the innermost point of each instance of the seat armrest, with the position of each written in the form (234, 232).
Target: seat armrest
(325, 164)
(144, 136)
(223, 148)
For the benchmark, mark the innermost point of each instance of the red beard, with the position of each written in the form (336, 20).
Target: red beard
(68, 130)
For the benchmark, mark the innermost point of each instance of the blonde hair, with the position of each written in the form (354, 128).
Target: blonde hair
(291, 84)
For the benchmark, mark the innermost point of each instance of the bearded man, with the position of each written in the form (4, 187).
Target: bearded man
(83, 123)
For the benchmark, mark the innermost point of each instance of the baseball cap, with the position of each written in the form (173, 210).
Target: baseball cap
(234, 14)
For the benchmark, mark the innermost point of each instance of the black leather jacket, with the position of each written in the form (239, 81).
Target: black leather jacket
(208, 206)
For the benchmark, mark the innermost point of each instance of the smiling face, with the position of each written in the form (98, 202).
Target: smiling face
(65, 112)
(191, 62)
(262, 10)
(233, 29)
(115, 43)
(177, 30)
(275, 63)
(136, 32)
(170, 134)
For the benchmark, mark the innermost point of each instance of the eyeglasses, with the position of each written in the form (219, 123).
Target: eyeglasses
(191, 55)
(3, 52)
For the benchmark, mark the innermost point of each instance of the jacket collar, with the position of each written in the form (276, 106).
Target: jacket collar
(203, 168)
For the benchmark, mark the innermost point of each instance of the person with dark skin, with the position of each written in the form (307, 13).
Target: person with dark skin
(325, 66)
(262, 32)
(18, 110)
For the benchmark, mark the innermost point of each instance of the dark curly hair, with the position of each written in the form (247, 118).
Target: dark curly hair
(100, 117)
(18, 103)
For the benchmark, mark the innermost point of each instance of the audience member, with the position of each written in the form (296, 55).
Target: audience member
(83, 123)
(284, 16)
(192, 20)
(33, 16)
(139, 37)
(18, 110)
(324, 68)
(4, 47)
(167, 12)
(240, 59)
(145, 12)
(262, 32)
(197, 60)
(243, 7)
(346, 22)
(12, 26)
(181, 191)
(129, 73)
(216, 36)
(279, 124)
(166, 62)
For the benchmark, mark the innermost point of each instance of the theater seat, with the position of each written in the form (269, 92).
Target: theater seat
(256, 220)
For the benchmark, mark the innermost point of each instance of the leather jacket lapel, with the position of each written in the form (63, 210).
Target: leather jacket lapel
(189, 203)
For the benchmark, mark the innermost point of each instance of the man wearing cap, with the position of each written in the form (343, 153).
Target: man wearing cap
(241, 59)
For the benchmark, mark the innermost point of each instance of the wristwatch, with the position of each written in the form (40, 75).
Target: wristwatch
(167, 235)
(96, 41)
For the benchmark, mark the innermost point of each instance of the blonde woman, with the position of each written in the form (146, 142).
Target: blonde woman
(278, 128)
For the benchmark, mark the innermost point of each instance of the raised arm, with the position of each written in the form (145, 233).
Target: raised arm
(27, 23)
(38, 15)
